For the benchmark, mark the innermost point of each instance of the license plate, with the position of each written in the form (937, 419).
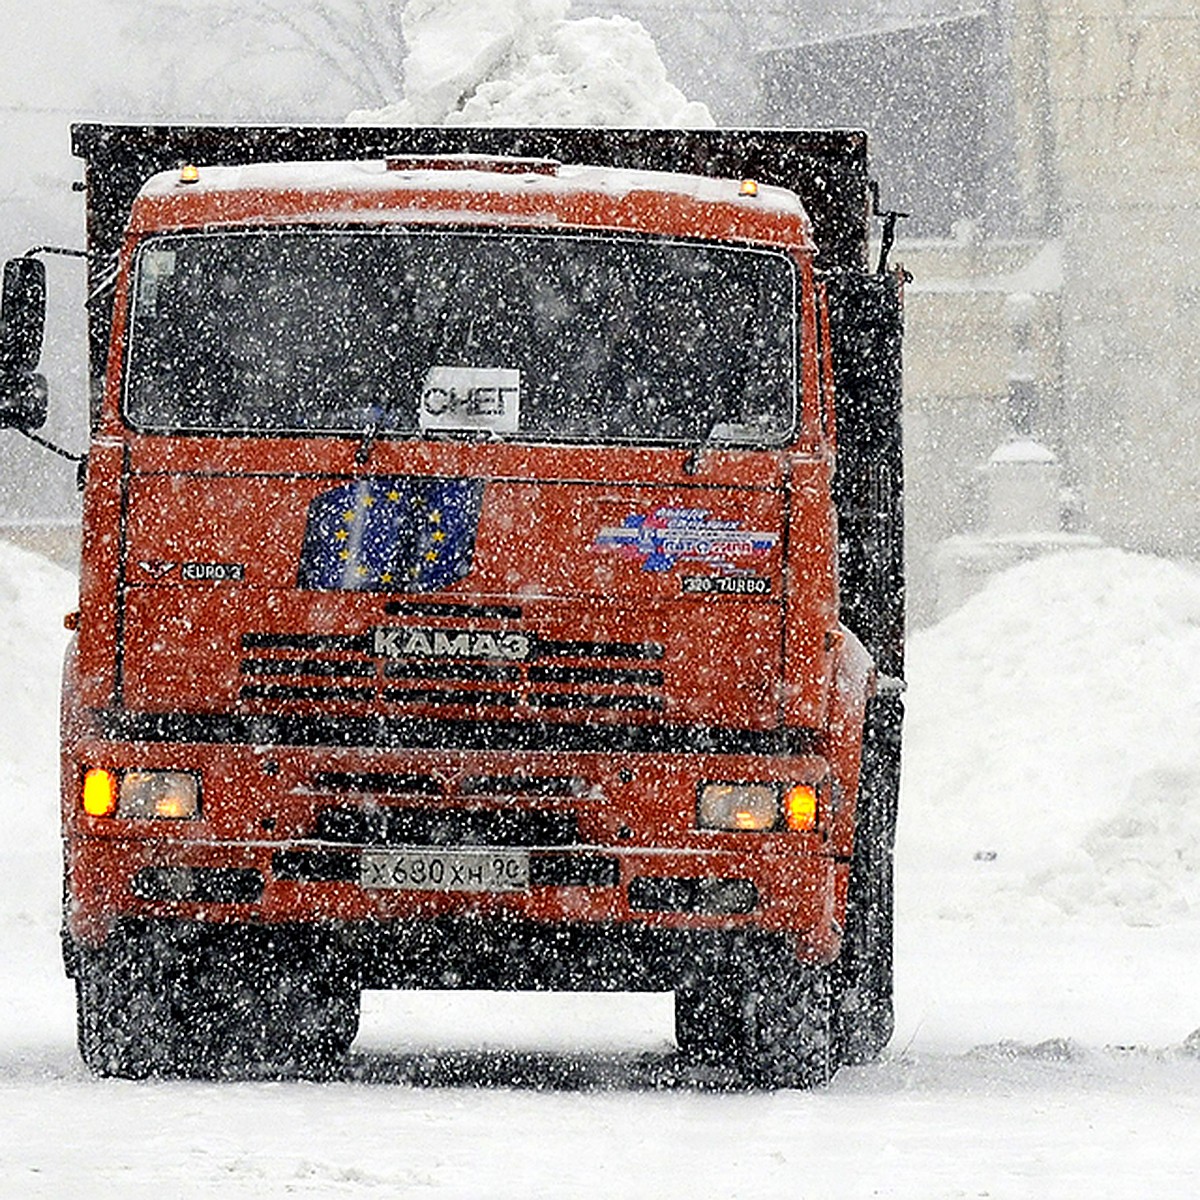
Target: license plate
(446, 870)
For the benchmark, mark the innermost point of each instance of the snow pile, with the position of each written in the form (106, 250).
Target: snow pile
(34, 595)
(1052, 759)
(521, 62)
(1144, 861)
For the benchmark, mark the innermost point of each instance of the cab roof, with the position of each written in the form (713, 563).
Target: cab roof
(473, 173)
(826, 169)
(471, 188)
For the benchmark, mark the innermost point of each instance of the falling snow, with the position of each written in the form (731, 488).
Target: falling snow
(1048, 922)
(1048, 858)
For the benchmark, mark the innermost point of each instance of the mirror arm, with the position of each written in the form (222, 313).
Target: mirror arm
(49, 445)
(80, 460)
(65, 251)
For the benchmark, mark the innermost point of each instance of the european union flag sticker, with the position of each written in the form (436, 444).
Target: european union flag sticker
(391, 534)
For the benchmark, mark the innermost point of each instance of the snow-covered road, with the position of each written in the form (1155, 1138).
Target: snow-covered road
(1048, 969)
(1053, 1121)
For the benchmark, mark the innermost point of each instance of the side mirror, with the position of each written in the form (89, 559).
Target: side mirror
(22, 314)
(23, 396)
(24, 400)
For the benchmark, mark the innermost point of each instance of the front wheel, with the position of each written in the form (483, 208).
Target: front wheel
(788, 1021)
(267, 1008)
(230, 1003)
(770, 1022)
(123, 1008)
(709, 1020)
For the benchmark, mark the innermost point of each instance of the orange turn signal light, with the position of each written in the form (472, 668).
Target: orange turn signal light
(800, 807)
(749, 188)
(99, 792)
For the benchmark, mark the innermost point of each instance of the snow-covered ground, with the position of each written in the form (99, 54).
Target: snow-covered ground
(1047, 962)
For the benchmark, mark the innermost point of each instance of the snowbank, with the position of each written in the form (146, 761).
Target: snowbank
(34, 595)
(1053, 746)
(521, 62)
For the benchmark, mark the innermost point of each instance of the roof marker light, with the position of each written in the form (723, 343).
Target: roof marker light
(749, 188)
(189, 173)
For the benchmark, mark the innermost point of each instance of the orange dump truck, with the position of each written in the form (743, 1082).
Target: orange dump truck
(491, 578)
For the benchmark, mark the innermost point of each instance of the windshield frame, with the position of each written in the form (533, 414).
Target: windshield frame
(785, 435)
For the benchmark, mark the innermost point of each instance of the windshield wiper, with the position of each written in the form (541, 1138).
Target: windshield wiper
(370, 435)
(379, 417)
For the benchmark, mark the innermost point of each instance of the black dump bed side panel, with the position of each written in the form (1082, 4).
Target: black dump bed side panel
(866, 327)
(827, 169)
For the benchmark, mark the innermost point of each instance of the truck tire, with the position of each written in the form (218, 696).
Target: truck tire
(862, 975)
(124, 1026)
(787, 1020)
(195, 1003)
(864, 1017)
(772, 1025)
(708, 1021)
(261, 1006)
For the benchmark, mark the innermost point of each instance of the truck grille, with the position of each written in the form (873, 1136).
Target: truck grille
(446, 827)
(407, 783)
(336, 670)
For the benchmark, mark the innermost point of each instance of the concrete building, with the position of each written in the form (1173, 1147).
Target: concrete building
(1051, 152)
(1111, 155)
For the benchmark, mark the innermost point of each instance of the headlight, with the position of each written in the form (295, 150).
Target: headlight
(738, 806)
(758, 807)
(140, 795)
(173, 795)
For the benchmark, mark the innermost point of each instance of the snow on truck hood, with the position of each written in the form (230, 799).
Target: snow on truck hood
(561, 180)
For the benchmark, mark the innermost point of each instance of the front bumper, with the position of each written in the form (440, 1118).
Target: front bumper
(312, 883)
(614, 844)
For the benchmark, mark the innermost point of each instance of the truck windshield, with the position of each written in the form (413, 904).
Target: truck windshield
(507, 334)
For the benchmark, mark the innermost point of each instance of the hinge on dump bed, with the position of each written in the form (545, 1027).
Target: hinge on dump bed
(889, 217)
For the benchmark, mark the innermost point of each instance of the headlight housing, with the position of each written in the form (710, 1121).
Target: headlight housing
(142, 795)
(738, 806)
(169, 795)
(758, 807)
